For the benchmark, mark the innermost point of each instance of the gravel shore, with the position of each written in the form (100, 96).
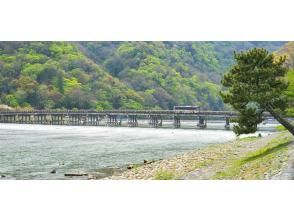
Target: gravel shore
(198, 164)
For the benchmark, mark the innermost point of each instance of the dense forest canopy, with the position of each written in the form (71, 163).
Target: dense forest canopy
(119, 75)
(288, 51)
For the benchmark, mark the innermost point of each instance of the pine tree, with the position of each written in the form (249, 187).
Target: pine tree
(256, 85)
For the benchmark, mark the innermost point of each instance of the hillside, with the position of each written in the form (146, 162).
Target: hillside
(171, 73)
(125, 75)
(288, 51)
(47, 75)
(207, 59)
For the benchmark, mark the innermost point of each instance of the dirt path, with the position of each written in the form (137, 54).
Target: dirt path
(287, 171)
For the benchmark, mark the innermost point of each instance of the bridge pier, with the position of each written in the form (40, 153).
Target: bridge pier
(36, 119)
(202, 122)
(40, 119)
(89, 120)
(155, 121)
(79, 120)
(227, 123)
(26, 119)
(112, 120)
(23, 119)
(6, 118)
(83, 119)
(54, 119)
(57, 120)
(19, 118)
(74, 120)
(177, 122)
(132, 121)
(70, 120)
(97, 119)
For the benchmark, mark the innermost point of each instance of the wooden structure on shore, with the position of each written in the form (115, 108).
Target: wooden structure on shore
(130, 118)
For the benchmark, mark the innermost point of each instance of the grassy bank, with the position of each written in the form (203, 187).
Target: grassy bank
(259, 164)
(246, 158)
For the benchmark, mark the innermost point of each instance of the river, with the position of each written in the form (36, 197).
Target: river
(33, 151)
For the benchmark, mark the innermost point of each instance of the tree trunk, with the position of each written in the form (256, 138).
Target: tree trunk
(284, 122)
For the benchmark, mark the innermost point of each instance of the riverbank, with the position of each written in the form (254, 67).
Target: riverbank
(267, 157)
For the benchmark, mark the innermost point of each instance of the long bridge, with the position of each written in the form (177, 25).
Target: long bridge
(130, 118)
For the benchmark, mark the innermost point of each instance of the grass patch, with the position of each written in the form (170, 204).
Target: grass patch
(164, 175)
(136, 166)
(251, 138)
(256, 164)
(262, 152)
(280, 128)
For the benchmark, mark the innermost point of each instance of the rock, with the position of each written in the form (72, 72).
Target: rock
(53, 171)
(3, 176)
(148, 161)
(130, 167)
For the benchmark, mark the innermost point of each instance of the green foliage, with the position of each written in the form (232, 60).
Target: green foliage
(288, 51)
(290, 93)
(11, 100)
(164, 175)
(60, 83)
(255, 84)
(70, 84)
(32, 70)
(103, 105)
(178, 73)
(250, 138)
(48, 75)
(280, 128)
(106, 75)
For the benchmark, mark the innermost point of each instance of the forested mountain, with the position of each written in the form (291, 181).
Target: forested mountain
(58, 75)
(288, 51)
(207, 59)
(125, 75)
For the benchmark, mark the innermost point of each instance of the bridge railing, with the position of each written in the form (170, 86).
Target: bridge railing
(131, 112)
(124, 111)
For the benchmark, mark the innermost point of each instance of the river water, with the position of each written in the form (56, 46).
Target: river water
(33, 151)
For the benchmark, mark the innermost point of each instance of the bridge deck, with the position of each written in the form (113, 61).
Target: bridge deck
(128, 118)
(126, 112)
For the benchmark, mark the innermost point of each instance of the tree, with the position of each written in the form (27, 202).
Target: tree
(11, 100)
(256, 84)
(60, 83)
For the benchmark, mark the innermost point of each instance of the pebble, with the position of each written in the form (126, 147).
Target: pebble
(53, 171)
(185, 163)
(130, 167)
